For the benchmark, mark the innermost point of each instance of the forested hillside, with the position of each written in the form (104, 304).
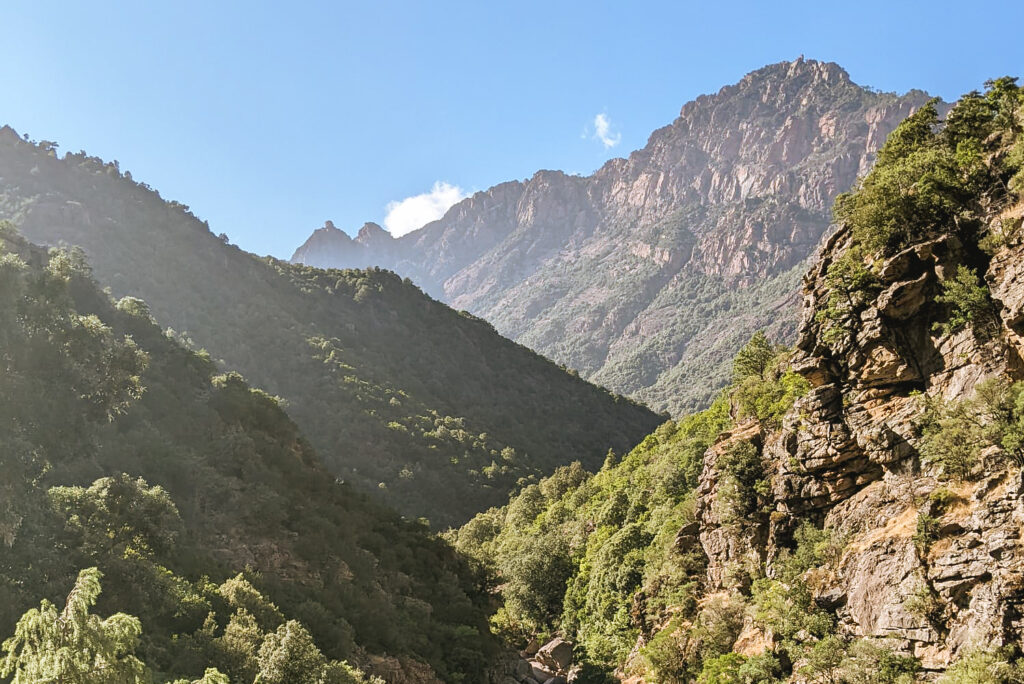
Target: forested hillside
(847, 510)
(400, 394)
(209, 516)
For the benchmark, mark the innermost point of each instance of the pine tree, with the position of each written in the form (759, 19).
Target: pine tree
(72, 646)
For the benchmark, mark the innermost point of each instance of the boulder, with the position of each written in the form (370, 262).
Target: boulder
(523, 670)
(541, 672)
(556, 654)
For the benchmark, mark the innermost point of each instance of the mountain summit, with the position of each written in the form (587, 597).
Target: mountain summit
(650, 273)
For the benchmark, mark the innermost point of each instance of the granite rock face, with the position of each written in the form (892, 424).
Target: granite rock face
(651, 272)
(846, 457)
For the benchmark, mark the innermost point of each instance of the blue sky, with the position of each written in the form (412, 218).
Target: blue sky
(268, 118)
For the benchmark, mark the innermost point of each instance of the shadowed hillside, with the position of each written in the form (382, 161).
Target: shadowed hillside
(398, 392)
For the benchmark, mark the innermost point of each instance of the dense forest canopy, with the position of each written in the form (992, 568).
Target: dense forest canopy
(211, 519)
(428, 407)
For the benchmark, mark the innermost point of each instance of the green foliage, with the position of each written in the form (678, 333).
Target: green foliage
(916, 188)
(930, 179)
(221, 480)
(601, 558)
(822, 659)
(924, 603)
(926, 533)
(763, 387)
(741, 483)
(211, 676)
(733, 668)
(942, 497)
(788, 609)
(537, 576)
(871, 662)
(118, 515)
(949, 433)
(814, 547)
(784, 604)
(723, 669)
(72, 645)
(969, 302)
(984, 666)
(596, 556)
(289, 655)
(913, 134)
(683, 652)
(955, 433)
(851, 286)
(755, 359)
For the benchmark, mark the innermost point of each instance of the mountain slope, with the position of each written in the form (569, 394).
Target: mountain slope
(847, 510)
(93, 396)
(399, 393)
(648, 275)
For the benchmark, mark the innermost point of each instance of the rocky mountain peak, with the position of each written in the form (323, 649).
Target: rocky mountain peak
(599, 272)
(329, 229)
(372, 234)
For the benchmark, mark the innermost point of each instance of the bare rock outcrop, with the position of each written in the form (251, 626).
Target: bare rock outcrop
(846, 456)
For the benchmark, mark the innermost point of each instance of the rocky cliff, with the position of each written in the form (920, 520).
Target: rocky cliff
(650, 273)
(905, 448)
(848, 456)
(848, 510)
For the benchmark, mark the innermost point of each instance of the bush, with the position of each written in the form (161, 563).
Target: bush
(924, 603)
(723, 669)
(867, 662)
(762, 386)
(915, 188)
(984, 667)
(678, 654)
(851, 287)
(954, 433)
(784, 604)
(926, 533)
(969, 302)
(741, 482)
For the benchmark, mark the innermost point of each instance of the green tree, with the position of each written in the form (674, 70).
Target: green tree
(868, 662)
(742, 482)
(912, 134)
(969, 302)
(954, 433)
(72, 646)
(1006, 99)
(723, 669)
(119, 513)
(289, 655)
(755, 358)
(211, 676)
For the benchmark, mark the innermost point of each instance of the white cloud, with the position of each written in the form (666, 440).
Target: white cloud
(405, 216)
(603, 131)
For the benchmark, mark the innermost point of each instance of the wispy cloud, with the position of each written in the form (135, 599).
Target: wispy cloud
(405, 216)
(603, 132)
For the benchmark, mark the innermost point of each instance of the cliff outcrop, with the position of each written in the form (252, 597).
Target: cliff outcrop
(848, 509)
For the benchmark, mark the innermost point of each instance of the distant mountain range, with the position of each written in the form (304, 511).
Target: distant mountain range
(648, 275)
